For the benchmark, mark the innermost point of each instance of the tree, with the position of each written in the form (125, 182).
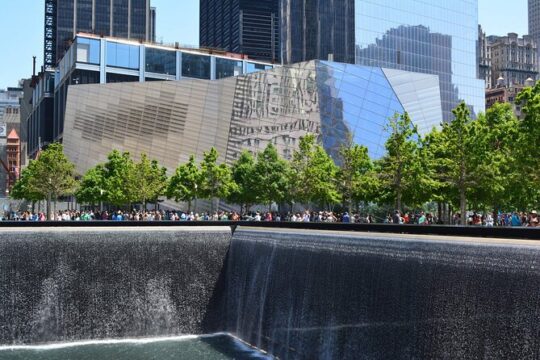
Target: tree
(356, 178)
(270, 176)
(185, 184)
(321, 175)
(498, 172)
(401, 169)
(216, 179)
(243, 174)
(528, 146)
(313, 174)
(149, 180)
(52, 175)
(91, 188)
(461, 149)
(22, 189)
(119, 175)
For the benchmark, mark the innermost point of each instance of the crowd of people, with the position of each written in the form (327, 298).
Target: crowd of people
(530, 219)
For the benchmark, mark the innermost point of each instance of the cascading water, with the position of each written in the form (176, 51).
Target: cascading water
(297, 294)
(309, 295)
(66, 285)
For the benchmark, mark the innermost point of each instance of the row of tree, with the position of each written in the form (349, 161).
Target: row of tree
(487, 164)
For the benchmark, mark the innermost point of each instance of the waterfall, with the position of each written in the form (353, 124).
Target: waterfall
(322, 295)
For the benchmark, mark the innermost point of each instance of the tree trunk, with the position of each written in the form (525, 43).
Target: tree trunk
(189, 206)
(49, 206)
(54, 207)
(398, 200)
(463, 206)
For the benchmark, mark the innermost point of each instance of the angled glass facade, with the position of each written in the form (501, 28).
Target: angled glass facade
(434, 37)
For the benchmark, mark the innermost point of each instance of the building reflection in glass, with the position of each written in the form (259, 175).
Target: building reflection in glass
(428, 37)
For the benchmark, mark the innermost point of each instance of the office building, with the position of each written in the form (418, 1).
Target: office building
(129, 19)
(410, 35)
(503, 92)
(513, 58)
(483, 52)
(171, 120)
(428, 37)
(322, 30)
(9, 97)
(98, 60)
(244, 27)
(534, 19)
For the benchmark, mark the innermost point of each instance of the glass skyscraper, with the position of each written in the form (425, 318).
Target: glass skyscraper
(322, 30)
(241, 26)
(421, 36)
(433, 37)
(130, 19)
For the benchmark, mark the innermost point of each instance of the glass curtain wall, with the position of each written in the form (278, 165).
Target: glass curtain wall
(434, 37)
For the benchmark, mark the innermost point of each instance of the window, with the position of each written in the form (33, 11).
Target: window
(253, 67)
(160, 61)
(123, 55)
(196, 66)
(88, 50)
(226, 68)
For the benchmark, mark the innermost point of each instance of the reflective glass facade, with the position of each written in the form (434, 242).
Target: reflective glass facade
(434, 37)
(88, 50)
(317, 30)
(160, 61)
(228, 67)
(195, 66)
(122, 55)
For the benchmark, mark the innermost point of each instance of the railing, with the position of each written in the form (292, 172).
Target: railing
(437, 230)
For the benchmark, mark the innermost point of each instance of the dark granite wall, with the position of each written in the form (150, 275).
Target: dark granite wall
(91, 284)
(312, 296)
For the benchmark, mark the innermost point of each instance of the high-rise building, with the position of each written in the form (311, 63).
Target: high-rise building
(483, 52)
(534, 19)
(129, 19)
(428, 37)
(152, 24)
(241, 26)
(317, 30)
(513, 58)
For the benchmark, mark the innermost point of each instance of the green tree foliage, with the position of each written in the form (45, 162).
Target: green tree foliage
(356, 177)
(497, 168)
(528, 147)
(185, 184)
(270, 176)
(52, 175)
(460, 149)
(119, 175)
(22, 189)
(149, 180)
(216, 180)
(92, 186)
(313, 175)
(243, 174)
(402, 171)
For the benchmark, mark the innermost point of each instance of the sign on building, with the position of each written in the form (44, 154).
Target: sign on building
(3, 129)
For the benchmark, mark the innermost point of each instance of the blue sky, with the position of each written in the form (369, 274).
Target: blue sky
(21, 29)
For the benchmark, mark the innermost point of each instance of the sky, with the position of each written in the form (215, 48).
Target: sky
(21, 29)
